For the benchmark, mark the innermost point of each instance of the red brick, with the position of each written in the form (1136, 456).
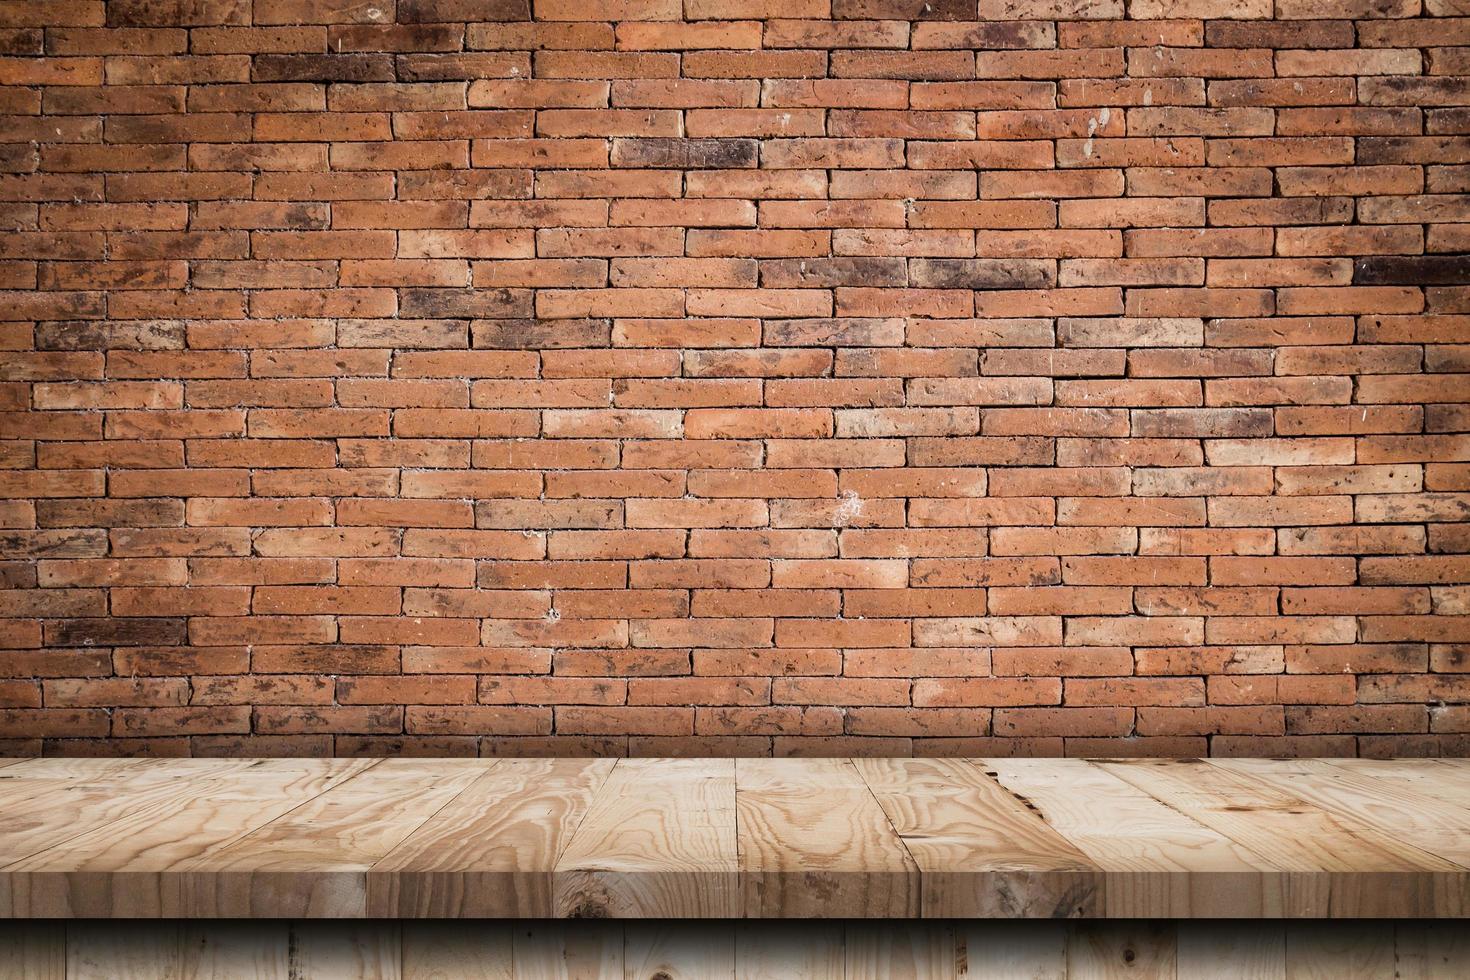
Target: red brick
(734, 377)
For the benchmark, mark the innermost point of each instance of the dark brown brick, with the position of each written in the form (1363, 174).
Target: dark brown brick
(685, 154)
(1412, 270)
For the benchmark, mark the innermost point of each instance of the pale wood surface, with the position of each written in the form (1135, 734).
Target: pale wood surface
(351, 825)
(1415, 812)
(815, 843)
(658, 840)
(722, 838)
(981, 851)
(319, 851)
(492, 850)
(1337, 863)
(1275, 822)
(1150, 854)
(973, 949)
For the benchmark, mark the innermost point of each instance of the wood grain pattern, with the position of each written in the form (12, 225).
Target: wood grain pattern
(1272, 822)
(1342, 866)
(980, 850)
(359, 950)
(713, 838)
(902, 951)
(1122, 951)
(658, 840)
(17, 774)
(1430, 951)
(569, 951)
(1415, 814)
(1318, 951)
(815, 842)
(351, 825)
(1231, 951)
(1000, 951)
(450, 951)
(772, 950)
(777, 950)
(492, 850)
(312, 860)
(237, 950)
(150, 818)
(127, 837)
(114, 951)
(675, 952)
(32, 951)
(87, 791)
(1149, 853)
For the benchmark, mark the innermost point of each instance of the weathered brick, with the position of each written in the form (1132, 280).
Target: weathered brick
(784, 377)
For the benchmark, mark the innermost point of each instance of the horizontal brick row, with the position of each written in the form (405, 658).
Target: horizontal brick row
(469, 377)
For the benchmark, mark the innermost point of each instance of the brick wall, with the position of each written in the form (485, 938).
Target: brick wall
(746, 376)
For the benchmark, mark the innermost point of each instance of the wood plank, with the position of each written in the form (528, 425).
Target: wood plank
(902, 951)
(814, 841)
(312, 860)
(120, 951)
(68, 767)
(1342, 868)
(1416, 815)
(164, 820)
(1159, 863)
(980, 850)
(1274, 823)
(72, 867)
(658, 840)
(23, 784)
(353, 823)
(95, 792)
(32, 951)
(455, 951)
(172, 949)
(1013, 950)
(679, 951)
(773, 949)
(1327, 951)
(587, 950)
(716, 838)
(1444, 779)
(235, 950)
(492, 850)
(350, 950)
(1231, 950)
(134, 770)
(1431, 951)
(1121, 951)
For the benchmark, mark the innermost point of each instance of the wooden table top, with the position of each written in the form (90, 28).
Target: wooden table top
(932, 838)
